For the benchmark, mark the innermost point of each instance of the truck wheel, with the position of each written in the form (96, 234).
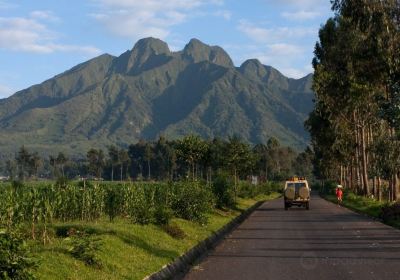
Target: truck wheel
(308, 206)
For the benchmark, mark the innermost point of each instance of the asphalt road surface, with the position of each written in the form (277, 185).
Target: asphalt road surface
(326, 242)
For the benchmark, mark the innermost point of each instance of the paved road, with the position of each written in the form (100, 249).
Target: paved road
(327, 242)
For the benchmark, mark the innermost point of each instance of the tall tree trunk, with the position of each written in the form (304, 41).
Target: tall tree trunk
(379, 189)
(396, 187)
(374, 187)
(364, 162)
(149, 170)
(112, 173)
(341, 175)
(357, 156)
(351, 176)
(121, 168)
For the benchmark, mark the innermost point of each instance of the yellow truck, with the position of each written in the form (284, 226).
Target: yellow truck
(297, 192)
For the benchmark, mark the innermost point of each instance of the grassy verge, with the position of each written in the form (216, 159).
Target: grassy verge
(361, 204)
(130, 251)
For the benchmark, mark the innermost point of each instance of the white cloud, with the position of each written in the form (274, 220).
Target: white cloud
(295, 73)
(301, 15)
(300, 3)
(5, 91)
(227, 15)
(271, 35)
(275, 46)
(31, 35)
(137, 19)
(44, 15)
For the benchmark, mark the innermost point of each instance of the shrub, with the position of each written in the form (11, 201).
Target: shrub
(15, 260)
(223, 190)
(113, 202)
(84, 248)
(390, 213)
(191, 201)
(162, 215)
(141, 206)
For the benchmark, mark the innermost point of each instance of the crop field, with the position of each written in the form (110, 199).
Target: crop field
(101, 230)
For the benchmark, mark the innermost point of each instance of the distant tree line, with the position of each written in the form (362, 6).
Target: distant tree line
(188, 158)
(356, 121)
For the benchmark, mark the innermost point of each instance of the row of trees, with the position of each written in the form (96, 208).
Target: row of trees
(356, 121)
(190, 157)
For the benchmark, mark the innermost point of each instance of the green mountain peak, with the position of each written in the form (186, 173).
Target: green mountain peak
(150, 91)
(196, 51)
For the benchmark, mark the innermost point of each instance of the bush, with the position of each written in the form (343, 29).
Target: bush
(191, 201)
(247, 190)
(223, 190)
(328, 187)
(84, 248)
(15, 260)
(142, 207)
(390, 213)
(113, 202)
(162, 215)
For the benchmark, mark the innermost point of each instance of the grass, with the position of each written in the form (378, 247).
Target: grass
(361, 204)
(130, 251)
(364, 205)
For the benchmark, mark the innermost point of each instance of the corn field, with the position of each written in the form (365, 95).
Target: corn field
(37, 207)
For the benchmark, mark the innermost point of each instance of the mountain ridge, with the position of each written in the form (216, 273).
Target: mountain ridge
(150, 91)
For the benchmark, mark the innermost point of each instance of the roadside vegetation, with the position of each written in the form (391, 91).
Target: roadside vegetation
(126, 212)
(385, 211)
(96, 230)
(356, 121)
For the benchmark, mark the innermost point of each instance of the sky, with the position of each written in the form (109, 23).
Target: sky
(42, 38)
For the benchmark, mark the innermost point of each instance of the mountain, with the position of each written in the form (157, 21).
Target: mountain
(150, 91)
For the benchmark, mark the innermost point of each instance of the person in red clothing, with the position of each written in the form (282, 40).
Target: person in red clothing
(339, 193)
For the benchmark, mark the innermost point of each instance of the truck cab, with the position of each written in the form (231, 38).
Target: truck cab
(297, 192)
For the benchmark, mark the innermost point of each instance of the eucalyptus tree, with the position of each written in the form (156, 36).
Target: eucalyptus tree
(191, 149)
(96, 162)
(148, 156)
(23, 159)
(113, 159)
(61, 161)
(356, 61)
(239, 158)
(123, 158)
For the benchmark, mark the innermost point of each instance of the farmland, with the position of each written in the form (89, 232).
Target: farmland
(86, 230)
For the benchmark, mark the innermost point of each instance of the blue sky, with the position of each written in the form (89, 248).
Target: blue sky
(42, 38)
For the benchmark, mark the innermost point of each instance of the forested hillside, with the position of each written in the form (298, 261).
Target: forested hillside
(150, 91)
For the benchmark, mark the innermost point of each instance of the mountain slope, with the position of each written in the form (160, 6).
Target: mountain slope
(149, 91)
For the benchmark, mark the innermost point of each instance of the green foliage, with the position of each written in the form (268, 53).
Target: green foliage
(223, 190)
(191, 201)
(355, 122)
(16, 262)
(84, 247)
(390, 213)
(247, 190)
(162, 215)
(113, 201)
(141, 207)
